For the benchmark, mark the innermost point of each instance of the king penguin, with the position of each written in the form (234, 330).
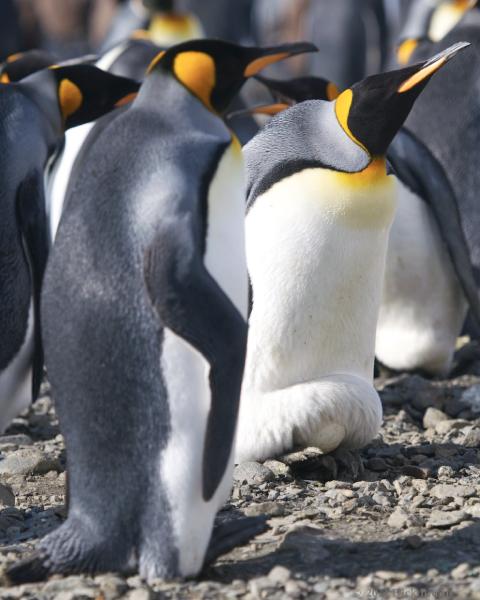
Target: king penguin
(432, 274)
(148, 277)
(35, 113)
(320, 206)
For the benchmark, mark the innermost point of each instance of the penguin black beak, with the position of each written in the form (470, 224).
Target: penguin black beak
(430, 67)
(264, 57)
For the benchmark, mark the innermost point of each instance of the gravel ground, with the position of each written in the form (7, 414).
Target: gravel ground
(401, 519)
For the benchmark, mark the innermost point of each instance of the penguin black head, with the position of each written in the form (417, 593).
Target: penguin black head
(300, 89)
(20, 65)
(159, 5)
(85, 93)
(373, 110)
(214, 71)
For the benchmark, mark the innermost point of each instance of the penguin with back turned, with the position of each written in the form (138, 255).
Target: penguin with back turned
(34, 114)
(148, 277)
(424, 305)
(320, 206)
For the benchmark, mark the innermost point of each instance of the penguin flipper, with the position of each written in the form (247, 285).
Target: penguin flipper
(416, 167)
(228, 535)
(189, 301)
(33, 225)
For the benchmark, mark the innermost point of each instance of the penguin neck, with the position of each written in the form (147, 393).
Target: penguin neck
(40, 89)
(163, 94)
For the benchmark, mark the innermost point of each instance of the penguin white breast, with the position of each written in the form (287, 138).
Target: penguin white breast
(225, 245)
(16, 379)
(423, 307)
(443, 21)
(316, 245)
(186, 375)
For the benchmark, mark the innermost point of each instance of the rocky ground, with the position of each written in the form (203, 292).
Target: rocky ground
(399, 520)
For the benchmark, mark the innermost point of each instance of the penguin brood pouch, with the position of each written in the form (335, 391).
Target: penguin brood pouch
(320, 207)
(148, 278)
(34, 114)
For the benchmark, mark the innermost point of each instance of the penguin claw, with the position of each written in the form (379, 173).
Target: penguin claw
(28, 570)
(229, 535)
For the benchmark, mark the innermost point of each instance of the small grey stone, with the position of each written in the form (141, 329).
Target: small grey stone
(398, 519)
(444, 427)
(293, 589)
(278, 468)
(445, 472)
(7, 497)
(439, 518)
(471, 438)
(272, 509)
(433, 416)
(443, 490)
(112, 586)
(471, 398)
(27, 462)
(252, 473)
(461, 571)
(279, 575)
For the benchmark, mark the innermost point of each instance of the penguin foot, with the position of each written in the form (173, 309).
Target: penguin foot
(336, 410)
(228, 535)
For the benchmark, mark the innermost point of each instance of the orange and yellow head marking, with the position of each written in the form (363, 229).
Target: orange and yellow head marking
(332, 91)
(197, 72)
(70, 98)
(155, 61)
(342, 109)
(421, 75)
(261, 63)
(405, 50)
(464, 5)
(375, 173)
(4, 78)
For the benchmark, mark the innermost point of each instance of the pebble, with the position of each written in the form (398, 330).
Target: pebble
(140, 594)
(443, 490)
(278, 468)
(376, 464)
(252, 473)
(461, 571)
(7, 497)
(279, 575)
(433, 416)
(440, 518)
(398, 519)
(27, 462)
(272, 509)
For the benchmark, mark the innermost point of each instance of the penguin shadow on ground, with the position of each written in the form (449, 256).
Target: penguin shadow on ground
(309, 553)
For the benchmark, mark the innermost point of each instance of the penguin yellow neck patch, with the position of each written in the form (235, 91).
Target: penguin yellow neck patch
(375, 173)
(342, 110)
(70, 98)
(196, 71)
(261, 63)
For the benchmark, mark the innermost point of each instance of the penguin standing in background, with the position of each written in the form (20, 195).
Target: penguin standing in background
(433, 263)
(129, 58)
(320, 206)
(430, 20)
(20, 65)
(35, 112)
(148, 277)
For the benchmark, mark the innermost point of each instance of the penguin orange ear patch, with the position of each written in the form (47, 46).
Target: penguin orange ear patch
(196, 71)
(70, 97)
(405, 50)
(261, 63)
(332, 91)
(342, 110)
(5, 78)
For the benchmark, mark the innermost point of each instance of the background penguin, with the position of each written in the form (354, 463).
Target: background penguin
(320, 206)
(430, 20)
(35, 112)
(148, 278)
(20, 65)
(432, 314)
